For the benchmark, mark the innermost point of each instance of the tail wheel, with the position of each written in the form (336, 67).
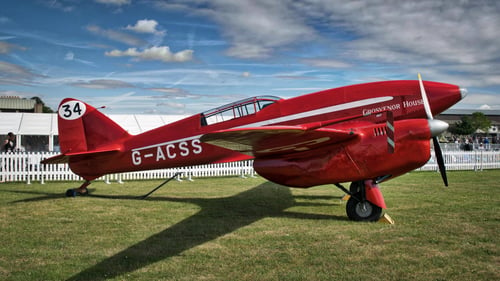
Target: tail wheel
(362, 210)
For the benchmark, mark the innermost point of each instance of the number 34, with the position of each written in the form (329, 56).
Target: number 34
(72, 110)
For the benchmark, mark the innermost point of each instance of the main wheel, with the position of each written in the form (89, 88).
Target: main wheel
(362, 211)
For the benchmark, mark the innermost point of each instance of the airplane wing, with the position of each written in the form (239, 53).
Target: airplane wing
(274, 140)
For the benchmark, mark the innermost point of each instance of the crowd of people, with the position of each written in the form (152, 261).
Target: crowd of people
(470, 143)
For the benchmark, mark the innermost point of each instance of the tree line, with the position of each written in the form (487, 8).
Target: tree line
(469, 125)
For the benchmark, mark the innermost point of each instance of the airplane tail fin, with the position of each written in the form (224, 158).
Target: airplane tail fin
(84, 130)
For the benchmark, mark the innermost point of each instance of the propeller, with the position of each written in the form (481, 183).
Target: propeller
(436, 127)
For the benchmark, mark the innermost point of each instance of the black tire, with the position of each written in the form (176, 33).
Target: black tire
(362, 211)
(70, 193)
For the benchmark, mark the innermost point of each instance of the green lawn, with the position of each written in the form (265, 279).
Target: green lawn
(250, 229)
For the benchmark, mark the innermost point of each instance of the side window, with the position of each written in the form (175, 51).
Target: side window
(264, 103)
(236, 110)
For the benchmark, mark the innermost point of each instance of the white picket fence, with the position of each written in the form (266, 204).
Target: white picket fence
(476, 160)
(26, 167)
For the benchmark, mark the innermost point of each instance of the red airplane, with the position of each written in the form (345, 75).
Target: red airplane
(364, 134)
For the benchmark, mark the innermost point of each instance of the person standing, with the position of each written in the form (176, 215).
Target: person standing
(9, 143)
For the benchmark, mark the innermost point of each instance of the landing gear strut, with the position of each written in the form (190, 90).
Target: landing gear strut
(358, 208)
(82, 190)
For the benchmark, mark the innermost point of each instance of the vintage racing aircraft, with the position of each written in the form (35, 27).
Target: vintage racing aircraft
(364, 134)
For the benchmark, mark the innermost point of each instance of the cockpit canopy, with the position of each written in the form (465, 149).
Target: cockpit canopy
(236, 109)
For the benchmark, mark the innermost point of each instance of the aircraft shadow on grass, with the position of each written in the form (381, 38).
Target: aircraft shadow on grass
(217, 217)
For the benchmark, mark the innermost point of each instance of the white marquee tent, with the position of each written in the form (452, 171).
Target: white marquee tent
(38, 131)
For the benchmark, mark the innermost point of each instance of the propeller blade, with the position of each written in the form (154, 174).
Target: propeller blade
(440, 160)
(436, 128)
(427, 106)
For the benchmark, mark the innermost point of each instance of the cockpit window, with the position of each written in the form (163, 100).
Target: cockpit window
(236, 109)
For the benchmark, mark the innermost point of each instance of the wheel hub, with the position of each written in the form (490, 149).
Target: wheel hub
(364, 209)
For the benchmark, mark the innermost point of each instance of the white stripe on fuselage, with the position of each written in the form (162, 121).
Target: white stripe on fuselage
(324, 110)
(315, 112)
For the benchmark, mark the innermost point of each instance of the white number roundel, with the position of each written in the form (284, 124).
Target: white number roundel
(72, 110)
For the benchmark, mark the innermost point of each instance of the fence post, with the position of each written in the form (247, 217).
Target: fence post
(481, 160)
(2, 167)
(42, 174)
(178, 177)
(28, 164)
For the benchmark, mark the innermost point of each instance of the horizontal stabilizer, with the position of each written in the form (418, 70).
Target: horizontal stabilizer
(65, 157)
(272, 140)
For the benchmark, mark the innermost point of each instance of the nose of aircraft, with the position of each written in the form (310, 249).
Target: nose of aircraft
(463, 92)
(437, 127)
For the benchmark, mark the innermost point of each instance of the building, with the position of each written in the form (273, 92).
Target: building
(18, 104)
(452, 116)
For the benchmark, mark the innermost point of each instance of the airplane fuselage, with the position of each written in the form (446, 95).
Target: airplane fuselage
(360, 108)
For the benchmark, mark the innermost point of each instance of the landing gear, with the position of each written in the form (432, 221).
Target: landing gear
(362, 210)
(82, 190)
(358, 208)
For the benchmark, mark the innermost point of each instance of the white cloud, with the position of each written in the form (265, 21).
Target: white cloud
(328, 63)
(479, 99)
(144, 26)
(456, 37)
(172, 92)
(60, 5)
(249, 51)
(116, 35)
(160, 53)
(15, 74)
(69, 56)
(256, 29)
(174, 105)
(102, 84)
(427, 34)
(113, 2)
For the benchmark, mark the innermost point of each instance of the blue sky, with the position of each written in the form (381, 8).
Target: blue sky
(185, 57)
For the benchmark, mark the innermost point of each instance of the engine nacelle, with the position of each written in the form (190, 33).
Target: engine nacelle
(365, 157)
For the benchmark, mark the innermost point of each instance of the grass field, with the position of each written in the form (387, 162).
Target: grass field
(250, 229)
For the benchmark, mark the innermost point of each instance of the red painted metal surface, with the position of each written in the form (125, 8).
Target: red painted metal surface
(332, 136)
(373, 194)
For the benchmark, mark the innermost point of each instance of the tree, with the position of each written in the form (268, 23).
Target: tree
(45, 109)
(470, 124)
(463, 127)
(480, 122)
